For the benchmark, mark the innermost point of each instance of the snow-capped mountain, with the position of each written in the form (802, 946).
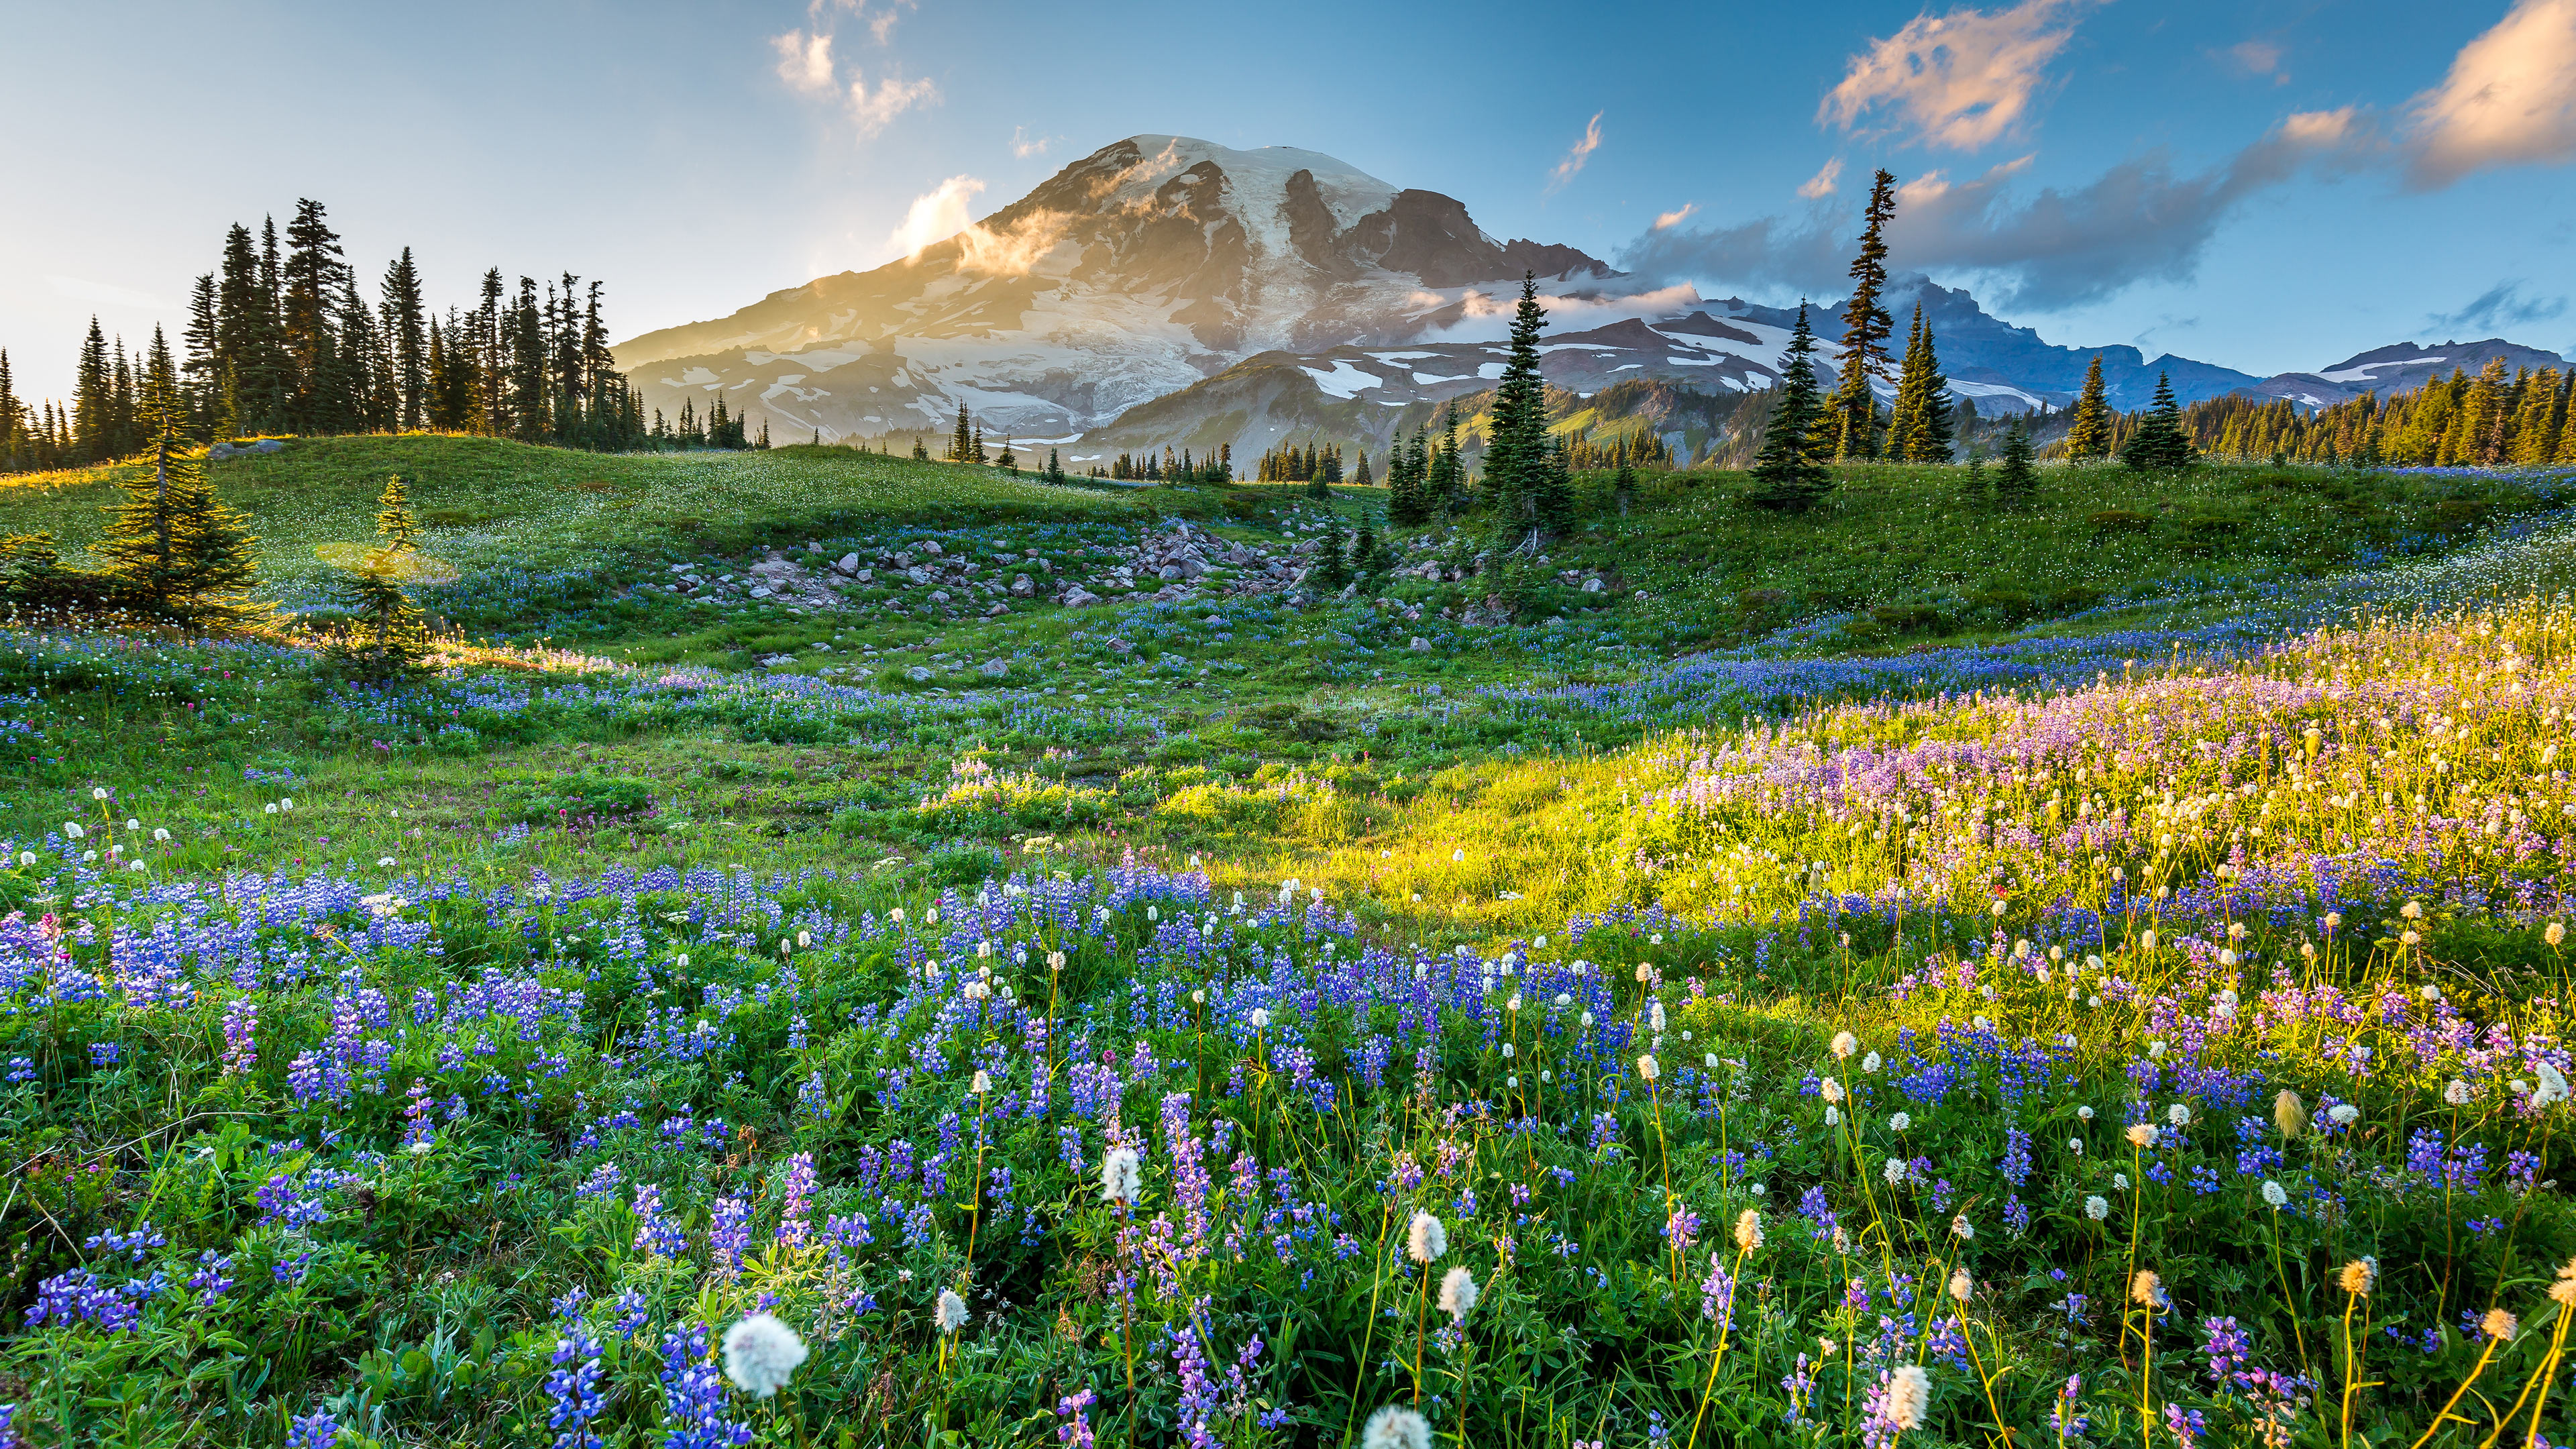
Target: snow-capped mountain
(2403, 367)
(1132, 273)
(1166, 290)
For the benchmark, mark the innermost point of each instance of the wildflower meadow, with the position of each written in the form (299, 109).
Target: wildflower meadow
(2144, 1035)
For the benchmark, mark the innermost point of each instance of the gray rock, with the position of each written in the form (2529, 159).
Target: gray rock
(1079, 597)
(1591, 586)
(939, 596)
(848, 563)
(864, 576)
(1022, 587)
(930, 546)
(1419, 645)
(1119, 645)
(994, 668)
(918, 674)
(1168, 572)
(761, 591)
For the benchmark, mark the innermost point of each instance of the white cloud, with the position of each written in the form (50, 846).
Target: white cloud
(1582, 152)
(1670, 219)
(937, 214)
(2140, 220)
(1025, 145)
(2510, 98)
(804, 62)
(1959, 80)
(1822, 183)
(871, 111)
(2258, 57)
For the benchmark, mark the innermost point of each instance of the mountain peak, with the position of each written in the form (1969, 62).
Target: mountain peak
(1137, 270)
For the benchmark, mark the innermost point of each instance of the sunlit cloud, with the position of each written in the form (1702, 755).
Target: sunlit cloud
(1574, 160)
(1959, 80)
(2510, 98)
(804, 62)
(1675, 218)
(1823, 182)
(871, 111)
(1024, 145)
(937, 214)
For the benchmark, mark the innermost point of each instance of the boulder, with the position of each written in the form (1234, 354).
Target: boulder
(994, 668)
(917, 674)
(1023, 588)
(930, 546)
(1592, 586)
(848, 563)
(939, 596)
(1168, 572)
(1419, 645)
(1079, 597)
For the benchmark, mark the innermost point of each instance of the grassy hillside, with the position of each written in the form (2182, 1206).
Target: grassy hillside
(490, 505)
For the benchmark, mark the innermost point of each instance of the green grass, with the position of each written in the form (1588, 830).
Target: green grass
(487, 504)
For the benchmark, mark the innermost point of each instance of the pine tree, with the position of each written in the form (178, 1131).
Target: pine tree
(387, 638)
(1866, 326)
(2160, 444)
(1786, 476)
(1552, 492)
(1332, 571)
(1516, 435)
(2088, 432)
(1920, 431)
(199, 373)
(2016, 481)
(93, 400)
(1005, 459)
(174, 552)
(961, 442)
(404, 335)
(1361, 478)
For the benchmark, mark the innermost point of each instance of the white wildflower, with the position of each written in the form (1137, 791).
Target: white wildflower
(952, 1311)
(1458, 1294)
(1122, 1176)
(1424, 1239)
(761, 1353)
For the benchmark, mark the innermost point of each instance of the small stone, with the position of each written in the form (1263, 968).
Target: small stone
(994, 668)
(1079, 597)
(930, 546)
(1023, 587)
(760, 591)
(1591, 586)
(918, 674)
(1419, 645)
(939, 596)
(1168, 572)
(848, 564)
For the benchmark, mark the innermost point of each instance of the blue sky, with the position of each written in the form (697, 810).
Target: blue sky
(2269, 185)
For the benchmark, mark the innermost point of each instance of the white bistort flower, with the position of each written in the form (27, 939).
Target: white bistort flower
(2097, 1207)
(952, 1311)
(1909, 1396)
(2275, 1196)
(761, 1353)
(1122, 1176)
(1424, 1239)
(1458, 1294)
(1396, 1427)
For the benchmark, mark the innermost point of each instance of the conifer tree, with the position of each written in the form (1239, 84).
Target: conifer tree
(1786, 476)
(1361, 478)
(1317, 486)
(200, 373)
(2159, 444)
(2016, 481)
(1332, 571)
(1920, 431)
(961, 445)
(405, 338)
(1551, 492)
(2088, 432)
(1866, 326)
(387, 637)
(173, 551)
(1516, 435)
(93, 399)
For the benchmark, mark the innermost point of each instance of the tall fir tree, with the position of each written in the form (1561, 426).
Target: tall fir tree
(314, 273)
(2159, 445)
(387, 638)
(93, 400)
(961, 443)
(1786, 475)
(200, 371)
(1920, 430)
(1516, 431)
(1866, 327)
(406, 337)
(2088, 430)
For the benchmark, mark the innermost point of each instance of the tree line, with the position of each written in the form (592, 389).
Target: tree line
(280, 339)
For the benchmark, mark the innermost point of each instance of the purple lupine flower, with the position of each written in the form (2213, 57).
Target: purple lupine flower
(655, 1235)
(573, 1389)
(241, 1036)
(317, 1430)
(795, 1210)
(730, 1237)
(693, 1396)
(1076, 1432)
